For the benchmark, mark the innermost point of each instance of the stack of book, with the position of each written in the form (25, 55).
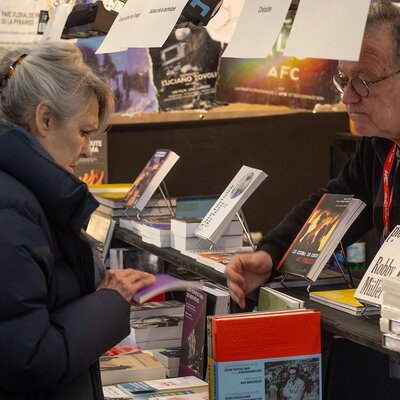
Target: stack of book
(153, 230)
(390, 313)
(129, 368)
(170, 359)
(217, 258)
(112, 202)
(188, 387)
(183, 238)
(343, 300)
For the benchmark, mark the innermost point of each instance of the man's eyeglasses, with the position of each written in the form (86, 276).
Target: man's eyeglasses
(359, 86)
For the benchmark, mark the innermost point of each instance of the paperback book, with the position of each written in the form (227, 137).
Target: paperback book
(272, 300)
(150, 178)
(385, 264)
(252, 351)
(343, 300)
(129, 368)
(192, 360)
(164, 283)
(320, 235)
(229, 203)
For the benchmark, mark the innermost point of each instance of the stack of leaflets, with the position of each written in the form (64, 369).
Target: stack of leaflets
(320, 235)
(343, 300)
(215, 223)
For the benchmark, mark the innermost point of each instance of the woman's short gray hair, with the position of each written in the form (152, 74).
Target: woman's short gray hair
(54, 74)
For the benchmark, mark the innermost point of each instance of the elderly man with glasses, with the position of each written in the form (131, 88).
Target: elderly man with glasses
(370, 90)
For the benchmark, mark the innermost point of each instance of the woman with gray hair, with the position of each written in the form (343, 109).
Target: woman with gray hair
(54, 324)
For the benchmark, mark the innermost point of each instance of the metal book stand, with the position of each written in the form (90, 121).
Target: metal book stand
(243, 222)
(165, 195)
(348, 279)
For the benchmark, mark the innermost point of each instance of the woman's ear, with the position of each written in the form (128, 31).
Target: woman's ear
(43, 120)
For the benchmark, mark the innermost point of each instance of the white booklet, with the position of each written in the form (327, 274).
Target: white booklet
(150, 178)
(385, 264)
(228, 204)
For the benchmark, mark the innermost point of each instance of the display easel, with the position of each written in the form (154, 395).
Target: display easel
(243, 222)
(165, 195)
(348, 279)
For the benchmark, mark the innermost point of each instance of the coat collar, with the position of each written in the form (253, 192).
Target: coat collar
(65, 199)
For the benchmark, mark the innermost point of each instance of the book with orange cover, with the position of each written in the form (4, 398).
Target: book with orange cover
(250, 350)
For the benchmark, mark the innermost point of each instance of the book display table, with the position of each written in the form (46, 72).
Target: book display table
(364, 331)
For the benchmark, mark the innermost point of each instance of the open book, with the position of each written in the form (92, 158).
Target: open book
(150, 178)
(229, 203)
(320, 235)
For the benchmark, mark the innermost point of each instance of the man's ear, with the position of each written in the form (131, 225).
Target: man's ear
(43, 120)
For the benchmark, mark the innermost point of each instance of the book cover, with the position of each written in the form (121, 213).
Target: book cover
(164, 283)
(252, 351)
(272, 300)
(150, 178)
(128, 368)
(320, 235)
(194, 334)
(385, 264)
(230, 201)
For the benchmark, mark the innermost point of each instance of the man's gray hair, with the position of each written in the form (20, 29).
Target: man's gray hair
(54, 74)
(384, 14)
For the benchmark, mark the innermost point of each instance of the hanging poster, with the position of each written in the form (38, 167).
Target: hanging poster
(19, 21)
(185, 69)
(278, 80)
(129, 73)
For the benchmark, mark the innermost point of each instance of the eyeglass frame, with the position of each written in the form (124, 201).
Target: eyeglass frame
(11, 69)
(367, 84)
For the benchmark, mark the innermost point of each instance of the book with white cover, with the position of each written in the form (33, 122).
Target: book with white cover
(385, 264)
(229, 203)
(150, 178)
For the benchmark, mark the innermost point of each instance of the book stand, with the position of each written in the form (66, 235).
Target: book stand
(348, 279)
(365, 308)
(243, 222)
(164, 193)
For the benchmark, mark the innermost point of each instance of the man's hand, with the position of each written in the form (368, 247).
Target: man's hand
(247, 272)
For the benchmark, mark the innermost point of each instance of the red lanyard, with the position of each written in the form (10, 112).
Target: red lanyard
(387, 199)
